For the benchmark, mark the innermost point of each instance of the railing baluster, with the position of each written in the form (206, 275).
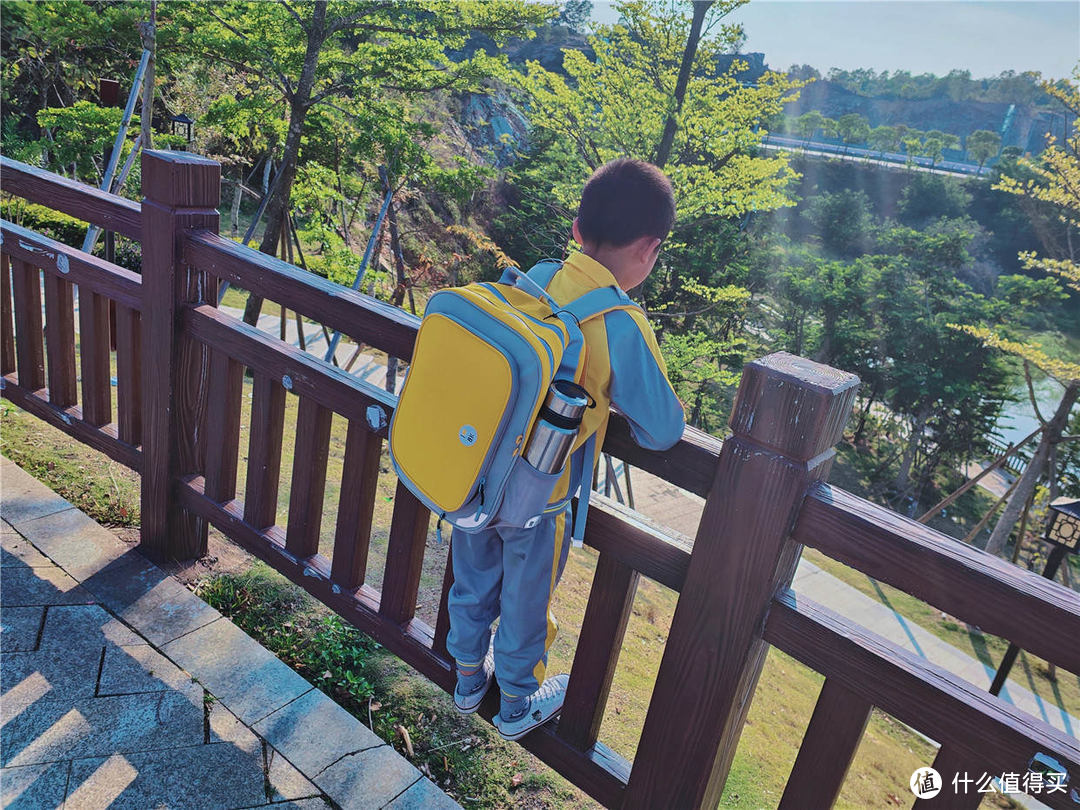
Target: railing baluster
(7, 330)
(264, 451)
(954, 761)
(404, 556)
(223, 426)
(60, 340)
(308, 478)
(610, 602)
(94, 350)
(129, 374)
(29, 349)
(828, 746)
(356, 505)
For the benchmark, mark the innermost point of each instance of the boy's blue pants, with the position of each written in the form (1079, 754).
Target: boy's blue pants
(507, 573)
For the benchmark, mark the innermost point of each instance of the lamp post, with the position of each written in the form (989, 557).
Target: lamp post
(1063, 532)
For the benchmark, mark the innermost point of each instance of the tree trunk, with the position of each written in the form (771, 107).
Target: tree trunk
(1050, 436)
(663, 151)
(234, 218)
(278, 206)
(903, 477)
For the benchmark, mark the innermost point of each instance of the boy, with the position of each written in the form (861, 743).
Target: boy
(627, 209)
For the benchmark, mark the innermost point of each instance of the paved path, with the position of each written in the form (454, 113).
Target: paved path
(120, 688)
(681, 511)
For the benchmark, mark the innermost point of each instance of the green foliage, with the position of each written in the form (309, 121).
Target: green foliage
(982, 144)
(842, 221)
(1008, 86)
(76, 136)
(932, 196)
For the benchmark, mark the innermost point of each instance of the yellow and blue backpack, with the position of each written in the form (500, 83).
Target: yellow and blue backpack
(484, 359)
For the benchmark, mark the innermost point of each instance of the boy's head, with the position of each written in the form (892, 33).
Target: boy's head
(627, 209)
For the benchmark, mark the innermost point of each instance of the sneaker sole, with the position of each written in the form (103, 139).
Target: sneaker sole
(519, 734)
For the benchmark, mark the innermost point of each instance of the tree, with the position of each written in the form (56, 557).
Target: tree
(357, 57)
(575, 14)
(884, 138)
(808, 123)
(852, 128)
(842, 221)
(981, 145)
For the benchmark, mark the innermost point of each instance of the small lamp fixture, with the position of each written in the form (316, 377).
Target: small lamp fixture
(1064, 526)
(185, 122)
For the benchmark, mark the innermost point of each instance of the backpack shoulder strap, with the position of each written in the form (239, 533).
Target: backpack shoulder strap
(535, 281)
(598, 302)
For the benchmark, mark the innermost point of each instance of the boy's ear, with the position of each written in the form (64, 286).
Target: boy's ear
(576, 231)
(648, 247)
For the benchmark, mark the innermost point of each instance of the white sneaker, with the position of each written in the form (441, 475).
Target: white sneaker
(467, 704)
(544, 703)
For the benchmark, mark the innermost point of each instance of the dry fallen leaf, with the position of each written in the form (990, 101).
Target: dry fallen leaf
(404, 734)
(516, 779)
(375, 705)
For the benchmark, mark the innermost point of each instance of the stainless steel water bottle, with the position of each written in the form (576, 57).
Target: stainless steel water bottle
(556, 426)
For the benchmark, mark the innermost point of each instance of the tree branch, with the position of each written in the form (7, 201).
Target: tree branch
(1031, 393)
(266, 54)
(294, 14)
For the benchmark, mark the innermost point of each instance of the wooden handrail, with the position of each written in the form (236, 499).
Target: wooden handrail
(913, 690)
(108, 211)
(970, 584)
(105, 278)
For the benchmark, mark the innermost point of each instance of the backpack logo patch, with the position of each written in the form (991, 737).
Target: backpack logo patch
(467, 435)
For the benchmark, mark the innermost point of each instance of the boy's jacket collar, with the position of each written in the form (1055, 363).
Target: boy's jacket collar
(593, 270)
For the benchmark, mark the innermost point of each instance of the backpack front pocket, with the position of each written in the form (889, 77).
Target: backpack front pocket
(527, 493)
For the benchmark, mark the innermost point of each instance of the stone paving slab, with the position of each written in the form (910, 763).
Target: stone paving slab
(19, 627)
(369, 779)
(248, 678)
(314, 732)
(139, 668)
(95, 709)
(21, 586)
(33, 787)
(57, 727)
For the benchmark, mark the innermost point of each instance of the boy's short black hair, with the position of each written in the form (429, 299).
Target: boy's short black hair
(625, 200)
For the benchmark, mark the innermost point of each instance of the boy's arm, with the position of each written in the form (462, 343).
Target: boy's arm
(640, 389)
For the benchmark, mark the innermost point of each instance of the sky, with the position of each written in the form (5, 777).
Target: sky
(922, 36)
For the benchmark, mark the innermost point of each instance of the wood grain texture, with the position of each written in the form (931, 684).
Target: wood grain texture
(7, 325)
(965, 582)
(60, 341)
(110, 280)
(617, 532)
(129, 374)
(70, 420)
(223, 426)
(828, 746)
(311, 451)
(181, 193)
(690, 464)
(930, 699)
(94, 352)
(359, 316)
(356, 505)
(29, 342)
(742, 554)
(309, 377)
(76, 199)
(264, 451)
(599, 643)
(404, 556)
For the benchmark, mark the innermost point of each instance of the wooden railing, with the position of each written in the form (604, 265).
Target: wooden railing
(179, 423)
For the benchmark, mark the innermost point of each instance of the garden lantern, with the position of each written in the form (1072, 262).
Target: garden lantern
(185, 122)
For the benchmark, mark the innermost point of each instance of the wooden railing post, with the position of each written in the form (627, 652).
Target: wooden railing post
(181, 192)
(787, 416)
